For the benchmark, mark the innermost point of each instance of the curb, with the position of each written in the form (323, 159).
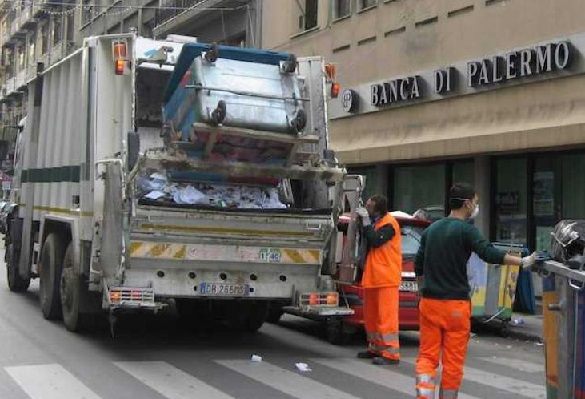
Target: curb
(524, 335)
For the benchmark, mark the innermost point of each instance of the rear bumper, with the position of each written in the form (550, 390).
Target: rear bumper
(408, 309)
(319, 313)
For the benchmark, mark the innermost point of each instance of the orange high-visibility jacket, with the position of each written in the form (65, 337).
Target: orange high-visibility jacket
(384, 264)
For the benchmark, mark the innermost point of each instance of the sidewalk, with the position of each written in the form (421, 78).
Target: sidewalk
(528, 327)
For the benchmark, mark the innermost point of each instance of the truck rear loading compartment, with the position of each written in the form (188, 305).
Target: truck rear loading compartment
(151, 204)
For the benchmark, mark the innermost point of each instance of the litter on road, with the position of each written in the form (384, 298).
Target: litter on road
(303, 367)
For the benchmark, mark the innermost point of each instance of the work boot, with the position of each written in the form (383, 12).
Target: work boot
(382, 361)
(366, 355)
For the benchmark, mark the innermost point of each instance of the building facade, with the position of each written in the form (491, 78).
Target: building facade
(34, 32)
(491, 92)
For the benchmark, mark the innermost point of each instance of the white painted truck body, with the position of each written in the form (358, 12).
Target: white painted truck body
(76, 164)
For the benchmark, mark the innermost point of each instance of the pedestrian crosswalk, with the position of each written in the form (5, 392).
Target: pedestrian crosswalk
(331, 378)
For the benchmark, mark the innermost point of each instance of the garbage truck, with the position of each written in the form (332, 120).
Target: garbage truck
(159, 172)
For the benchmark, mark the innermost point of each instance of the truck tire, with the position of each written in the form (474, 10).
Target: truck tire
(50, 277)
(73, 293)
(193, 313)
(275, 312)
(248, 317)
(15, 282)
(338, 332)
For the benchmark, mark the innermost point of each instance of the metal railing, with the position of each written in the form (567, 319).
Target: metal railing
(170, 9)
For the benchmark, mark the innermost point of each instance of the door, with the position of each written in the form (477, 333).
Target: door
(546, 201)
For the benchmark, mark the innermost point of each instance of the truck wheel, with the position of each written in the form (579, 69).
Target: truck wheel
(15, 282)
(73, 293)
(248, 317)
(50, 274)
(338, 333)
(274, 314)
(193, 313)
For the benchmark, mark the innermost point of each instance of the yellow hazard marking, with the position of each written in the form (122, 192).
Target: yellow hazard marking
(294, 255)
(134, 247)
(181, 253)
(157, 250)
(315, 254)
(140, 249)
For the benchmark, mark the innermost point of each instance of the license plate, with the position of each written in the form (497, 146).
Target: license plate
(410, 286)
(222, 289)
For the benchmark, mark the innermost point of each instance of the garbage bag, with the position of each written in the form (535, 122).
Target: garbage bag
(568, 240)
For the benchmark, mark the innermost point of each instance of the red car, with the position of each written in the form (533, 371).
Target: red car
(339, 331)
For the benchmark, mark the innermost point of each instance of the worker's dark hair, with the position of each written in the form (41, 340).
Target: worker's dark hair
(459, 193)
(380, 204)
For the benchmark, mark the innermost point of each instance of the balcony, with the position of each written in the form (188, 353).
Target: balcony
(31, 73)
(27, 18)
(56, 54)
(20, 79)
(9, 86)
(186, 13)
(38, 8)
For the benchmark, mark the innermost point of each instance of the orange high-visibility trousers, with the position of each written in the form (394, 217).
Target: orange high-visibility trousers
(381, 319)
(445, 327)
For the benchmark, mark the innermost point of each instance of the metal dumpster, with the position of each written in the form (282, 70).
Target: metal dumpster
(493, 289)
(564, 332)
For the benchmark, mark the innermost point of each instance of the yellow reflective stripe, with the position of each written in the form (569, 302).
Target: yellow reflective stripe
(180, 254)
(391, 350)
(425, 393)
(134, 247)
(373, 336)
(448, 393)
(426, 379)
(390, 337)
(141, 249)
(385, 338)
(316, 255)
(294, 255)
(156, 250)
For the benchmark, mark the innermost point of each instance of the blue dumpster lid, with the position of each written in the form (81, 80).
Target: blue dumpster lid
(190, 51)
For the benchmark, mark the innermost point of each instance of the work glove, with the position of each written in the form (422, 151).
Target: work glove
(529, 261)
(364, 215)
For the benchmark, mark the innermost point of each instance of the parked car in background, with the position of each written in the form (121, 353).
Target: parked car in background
(5, 213)
(340, 331)
(3, 205)
(431, 213)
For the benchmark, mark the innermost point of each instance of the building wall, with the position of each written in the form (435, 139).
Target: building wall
(45, 32)
(403, 37)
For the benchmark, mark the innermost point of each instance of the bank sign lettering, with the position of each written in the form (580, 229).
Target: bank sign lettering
(483, 73)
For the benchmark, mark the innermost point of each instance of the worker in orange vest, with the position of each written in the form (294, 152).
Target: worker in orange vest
(445, 306)
(381, 281)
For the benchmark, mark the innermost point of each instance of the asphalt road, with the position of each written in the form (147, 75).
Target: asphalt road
(158, 358)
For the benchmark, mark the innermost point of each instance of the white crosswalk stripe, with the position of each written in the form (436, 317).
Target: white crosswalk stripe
(49, 381)
(171, 382)
(53, 381)
(381, 376)
(518, 387)
(289, 382)
(527, 367)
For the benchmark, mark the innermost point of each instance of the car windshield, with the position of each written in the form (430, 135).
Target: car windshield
(410, 240)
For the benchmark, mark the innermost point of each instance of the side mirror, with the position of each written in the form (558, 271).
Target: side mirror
(133, 144)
